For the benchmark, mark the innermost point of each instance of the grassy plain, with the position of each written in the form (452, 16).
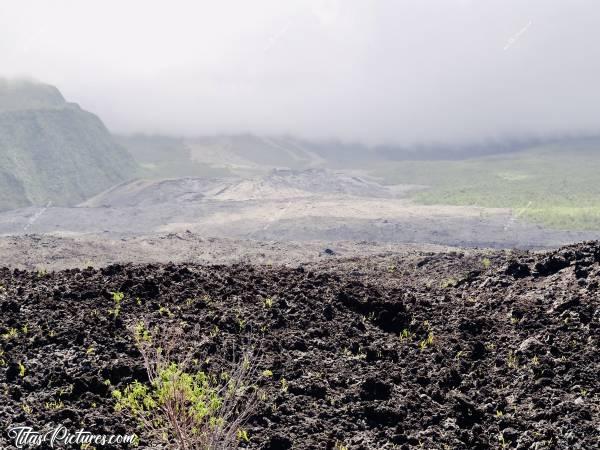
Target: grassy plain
(556, 186)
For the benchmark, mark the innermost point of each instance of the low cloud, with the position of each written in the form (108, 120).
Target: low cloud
(379, 72)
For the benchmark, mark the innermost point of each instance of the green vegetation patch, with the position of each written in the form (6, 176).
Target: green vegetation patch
(556, 186)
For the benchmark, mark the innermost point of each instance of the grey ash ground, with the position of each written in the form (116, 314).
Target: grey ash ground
(428, 350)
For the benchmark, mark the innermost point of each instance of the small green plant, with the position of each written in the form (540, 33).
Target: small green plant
(194, 395)
(427, 342)
(117, 298)
(486, 263)
(54, 406)
(243, 435)
(512, 360)
(22, 370)
(63, 392)
(499, 413)
(164, 311)
(12, 333)
(90, 351)
(405, 335)
(284, 385)
(141, 334)
(25, 329)
(268, 302)
(360, 354)
(187, 409)
(449, 282)
(26, 408)
(340, 446)
(2, 360)
(503, 442)
(267, 373)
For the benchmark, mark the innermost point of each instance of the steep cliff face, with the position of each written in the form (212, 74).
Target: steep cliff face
(53, 151)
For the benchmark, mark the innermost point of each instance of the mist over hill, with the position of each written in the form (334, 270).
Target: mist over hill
(52, 150)
(247, 153)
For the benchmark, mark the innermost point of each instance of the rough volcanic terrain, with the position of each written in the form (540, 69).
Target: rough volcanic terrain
(429, 350)
(286, 205)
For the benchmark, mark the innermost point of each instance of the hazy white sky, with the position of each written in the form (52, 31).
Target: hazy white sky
(378, 71)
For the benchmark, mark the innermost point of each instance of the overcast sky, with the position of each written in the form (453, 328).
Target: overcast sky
(377, 71)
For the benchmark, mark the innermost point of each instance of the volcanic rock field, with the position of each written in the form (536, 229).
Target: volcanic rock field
(453, 350)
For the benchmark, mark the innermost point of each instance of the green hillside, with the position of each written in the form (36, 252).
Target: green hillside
(53, 151)
(558, 185)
